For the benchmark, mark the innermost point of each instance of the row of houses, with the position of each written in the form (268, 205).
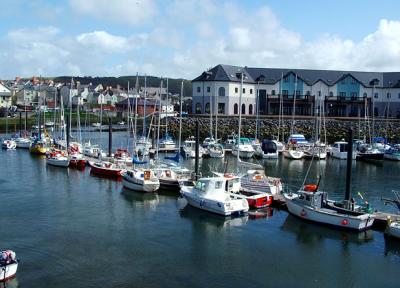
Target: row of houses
(33, 93)
(272, 91)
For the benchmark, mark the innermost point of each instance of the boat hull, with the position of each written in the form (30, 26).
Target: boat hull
(293, 154)
(9, 271)
(323, 216)
(376, 158)
(216, 207)
(105, 172)
(243, 154)
(140, 186)
(393, 230)
(58, 162)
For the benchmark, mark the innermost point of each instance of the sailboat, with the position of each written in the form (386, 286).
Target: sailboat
(166, 142)
(318, 149)
(312, 204)
(8, 144)
(295, 141)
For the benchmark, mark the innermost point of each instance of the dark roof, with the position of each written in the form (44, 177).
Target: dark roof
(310, 77)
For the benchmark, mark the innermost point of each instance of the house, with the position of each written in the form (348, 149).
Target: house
(5, 96)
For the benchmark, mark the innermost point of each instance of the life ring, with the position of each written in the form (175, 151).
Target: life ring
(310, 187)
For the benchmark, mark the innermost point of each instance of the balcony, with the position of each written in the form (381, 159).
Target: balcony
(286, 98)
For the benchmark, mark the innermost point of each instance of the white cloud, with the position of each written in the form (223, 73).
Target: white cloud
(104, 41)
(132, 12)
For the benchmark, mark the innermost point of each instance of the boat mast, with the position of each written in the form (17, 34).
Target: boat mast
(144, 105)
(241, 75)
(70, 106)
(280, 108)
(294, 106)
(166, 113)
(216, 114)
(136, 111)
(159, 120)
(180, 118)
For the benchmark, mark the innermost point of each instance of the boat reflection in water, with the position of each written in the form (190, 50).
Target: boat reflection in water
(308, 232)
(201, 217)
(392, 246)
(140, 199)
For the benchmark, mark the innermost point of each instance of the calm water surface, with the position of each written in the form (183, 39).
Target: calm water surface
(71, 229)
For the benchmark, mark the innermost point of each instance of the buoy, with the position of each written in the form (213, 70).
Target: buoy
(310, 188)
(345, 222)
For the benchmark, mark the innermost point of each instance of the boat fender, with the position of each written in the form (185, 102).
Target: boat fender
(303, 213)
(345, 222)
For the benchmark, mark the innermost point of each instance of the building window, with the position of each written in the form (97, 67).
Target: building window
(285, 92)
(244, 90)
(286, 79)
(208, 89)
(343, 81)
(198, 108)
(399, 95)
(198, 89)
(235, 109)
(331, 94)
(251, 91)
(297, 92)
(388, 95)
(221, 91)
(353, 94)
(236, 90)
(208, 108)
(319, 93)
(243, 109)
(376, 95)
(353, 80)
(365, 95)
(221, 108)
(342, 94)
(250, 109)
(308, 93)
(273, 92)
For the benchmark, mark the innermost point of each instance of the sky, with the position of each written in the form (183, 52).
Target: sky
(183, 38)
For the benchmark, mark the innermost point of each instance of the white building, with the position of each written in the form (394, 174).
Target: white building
(5, 96)
(340, 93)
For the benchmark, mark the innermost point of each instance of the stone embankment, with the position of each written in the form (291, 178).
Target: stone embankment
(268, 128)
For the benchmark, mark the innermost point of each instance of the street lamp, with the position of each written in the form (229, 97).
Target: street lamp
(259, 79)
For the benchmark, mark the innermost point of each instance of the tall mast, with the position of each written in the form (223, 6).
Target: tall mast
(159, 119)
(294, 106)
(280, 108)
(136, 111)
(241, 74)
(180, 118)
(166, 113)
(144, 105)
(216, 113)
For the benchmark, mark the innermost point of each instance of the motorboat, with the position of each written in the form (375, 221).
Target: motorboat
(311, 204)
(339, 150)
(230, 141)
(96, 124)
(49, 124)
(255, 198)
(243, 148)
(293, 152)
(122, 156)
(208, 141)
(23, 142)
(57, 158)
(279, 146)
(93, 151)
(8, 265)
(77, 160)
(209, 194)
(188, 150)
(392, 153)
(393, 228)
(39, 147)
(316, 151)
(216, 151)
(171, 176)
(167, 142)
(105, 169)
(138, 179)
(256, 180)
(9, 144)
(369, 154)
(269, 149)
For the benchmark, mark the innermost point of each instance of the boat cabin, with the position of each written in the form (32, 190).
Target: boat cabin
(311, 198)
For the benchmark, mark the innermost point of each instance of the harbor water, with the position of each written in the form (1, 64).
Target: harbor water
(71, 229)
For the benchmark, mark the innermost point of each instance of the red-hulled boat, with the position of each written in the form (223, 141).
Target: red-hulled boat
(77, 161)
(105, 169)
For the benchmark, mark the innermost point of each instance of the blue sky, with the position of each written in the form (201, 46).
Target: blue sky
(183, 38)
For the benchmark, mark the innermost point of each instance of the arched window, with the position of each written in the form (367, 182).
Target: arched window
(365, 95)
(243, 109)
(235, 109)
(330, 94)
(207, 108)
(198, 108)
(251, 109)
(221, 91)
